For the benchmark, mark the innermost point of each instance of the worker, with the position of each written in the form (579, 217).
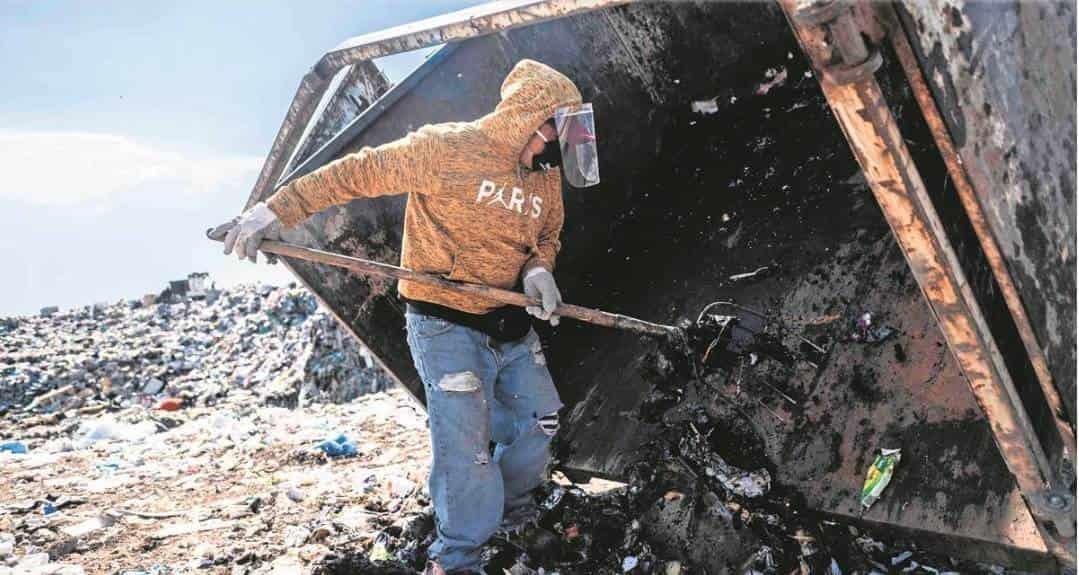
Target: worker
(484, 206)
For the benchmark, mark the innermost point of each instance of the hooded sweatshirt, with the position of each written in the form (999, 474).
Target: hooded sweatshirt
(473, 215)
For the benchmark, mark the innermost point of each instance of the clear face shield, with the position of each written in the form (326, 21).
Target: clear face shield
(576, 127)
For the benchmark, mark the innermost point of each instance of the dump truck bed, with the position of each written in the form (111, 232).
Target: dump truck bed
(725, 177)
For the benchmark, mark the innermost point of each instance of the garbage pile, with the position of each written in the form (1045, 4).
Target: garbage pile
(238, 487)
(274, 340)
(233, 433)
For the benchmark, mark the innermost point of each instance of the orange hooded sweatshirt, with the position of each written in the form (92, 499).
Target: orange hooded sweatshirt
(473, 214)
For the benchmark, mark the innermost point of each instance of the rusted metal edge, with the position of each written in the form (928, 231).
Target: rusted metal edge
(469, 23)
(328, 111)
(339, 141)
(877, 144)
(976, 214)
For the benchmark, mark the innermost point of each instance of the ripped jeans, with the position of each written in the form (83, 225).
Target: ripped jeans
(481, 390)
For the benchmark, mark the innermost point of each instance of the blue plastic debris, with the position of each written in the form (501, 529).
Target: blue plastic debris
(339, 446)
(48, 508)
(13, 447)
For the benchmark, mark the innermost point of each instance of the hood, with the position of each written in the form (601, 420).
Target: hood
(530, 94)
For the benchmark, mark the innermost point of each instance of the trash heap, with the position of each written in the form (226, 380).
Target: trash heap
(233, 432)
(274, 340)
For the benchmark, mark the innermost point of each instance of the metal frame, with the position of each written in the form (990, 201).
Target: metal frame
(873, 133)
(477, 21)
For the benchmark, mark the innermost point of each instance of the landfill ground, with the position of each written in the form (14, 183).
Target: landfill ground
(188, 436)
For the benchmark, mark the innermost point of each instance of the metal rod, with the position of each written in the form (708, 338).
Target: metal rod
(877, 143)
(508, 297)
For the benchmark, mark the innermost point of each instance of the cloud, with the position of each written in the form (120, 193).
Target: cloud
(71, 168)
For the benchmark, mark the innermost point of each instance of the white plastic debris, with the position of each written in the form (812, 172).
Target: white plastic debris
(108, 429)
(296, 535)
(706, 107)
(629, 563)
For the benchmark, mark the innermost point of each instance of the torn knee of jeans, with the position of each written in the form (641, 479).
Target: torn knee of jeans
(549, 424)
(537, 353)
(482, 458)
(459, 381)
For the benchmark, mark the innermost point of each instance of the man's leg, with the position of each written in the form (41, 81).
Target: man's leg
(525, 387)
(458, 373)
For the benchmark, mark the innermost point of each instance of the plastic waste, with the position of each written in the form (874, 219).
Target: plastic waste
(13, 447)
(171, 404)
(339, 446)
(879, 475)
(7, 544)
(107, 429)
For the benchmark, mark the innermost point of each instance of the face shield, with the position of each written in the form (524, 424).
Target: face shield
(576, 129)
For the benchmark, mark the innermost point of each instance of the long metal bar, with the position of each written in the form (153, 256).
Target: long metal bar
(874, 136)
(476, 21)
(973, 207)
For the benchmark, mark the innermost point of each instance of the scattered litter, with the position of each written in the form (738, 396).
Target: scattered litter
(48, 397)
(234, 480)
(153, 386)
(899, 559)
(879, 475)
(7, 545)
(171, 404)
(865, 330)
(13, 447)
(38, 564)
(705, 106)
(106, 429)
(775, 78)
(736, 481)
(379, 553)
(749, 275)
(89, 526)
(195, 527)
(296, 535)
(339, 446)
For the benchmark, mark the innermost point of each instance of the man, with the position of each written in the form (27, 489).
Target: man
(484, 206)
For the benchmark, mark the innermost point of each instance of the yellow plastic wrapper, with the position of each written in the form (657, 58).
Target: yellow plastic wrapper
(880, 474)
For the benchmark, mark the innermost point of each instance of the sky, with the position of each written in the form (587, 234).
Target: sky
(127, 128)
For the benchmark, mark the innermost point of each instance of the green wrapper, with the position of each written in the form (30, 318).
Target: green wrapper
(880, 473)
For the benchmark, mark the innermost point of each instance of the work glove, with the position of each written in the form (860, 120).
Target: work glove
(539, 283)
(245, 233)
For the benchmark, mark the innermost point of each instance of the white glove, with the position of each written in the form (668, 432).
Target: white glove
(539, 283)
(257, 224)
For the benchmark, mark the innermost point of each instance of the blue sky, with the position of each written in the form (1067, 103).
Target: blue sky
(127, 128)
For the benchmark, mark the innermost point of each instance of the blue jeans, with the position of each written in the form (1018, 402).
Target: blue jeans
(480, 390)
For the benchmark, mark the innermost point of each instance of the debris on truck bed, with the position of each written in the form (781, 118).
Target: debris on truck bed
(101, 479)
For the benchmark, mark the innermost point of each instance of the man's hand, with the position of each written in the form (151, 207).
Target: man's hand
(539, 283)
(246, 232)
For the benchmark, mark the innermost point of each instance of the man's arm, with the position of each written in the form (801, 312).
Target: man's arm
(548, 242)
(402, 166)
